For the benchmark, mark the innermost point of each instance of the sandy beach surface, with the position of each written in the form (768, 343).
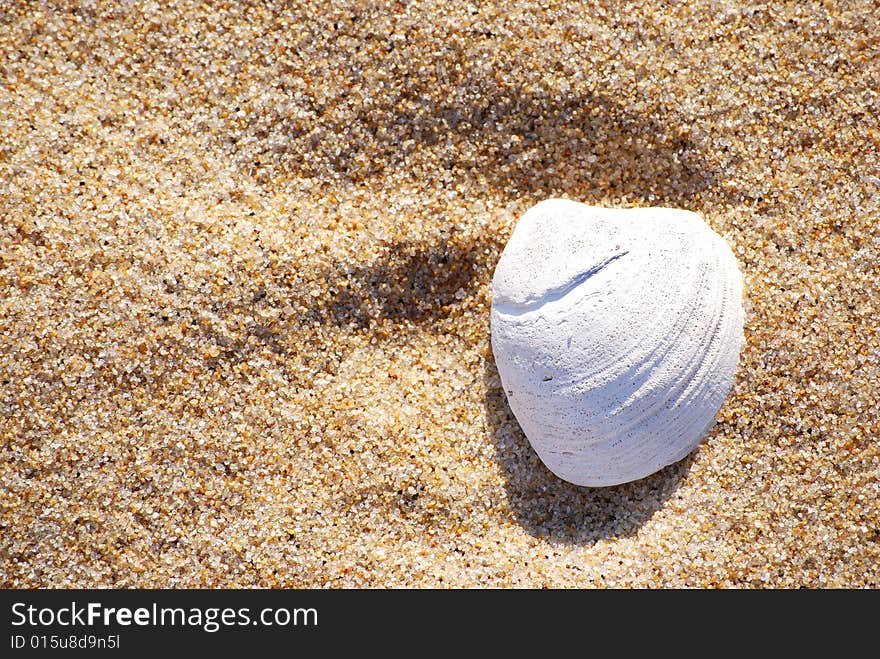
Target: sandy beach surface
(246, 252)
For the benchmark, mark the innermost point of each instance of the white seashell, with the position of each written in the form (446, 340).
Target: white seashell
(616, 333)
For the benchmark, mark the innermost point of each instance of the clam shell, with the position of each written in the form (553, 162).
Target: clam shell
(616, 333)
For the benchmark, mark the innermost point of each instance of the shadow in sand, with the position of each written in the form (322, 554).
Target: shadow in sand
(526, 143)
(448, 117)
(415, 282)
(557, 511)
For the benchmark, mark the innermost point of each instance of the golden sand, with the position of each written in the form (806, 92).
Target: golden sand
(246, 252)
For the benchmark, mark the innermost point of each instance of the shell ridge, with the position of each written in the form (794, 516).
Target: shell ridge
(688, 385)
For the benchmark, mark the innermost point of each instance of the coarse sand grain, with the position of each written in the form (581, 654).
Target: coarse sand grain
(245, 256)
